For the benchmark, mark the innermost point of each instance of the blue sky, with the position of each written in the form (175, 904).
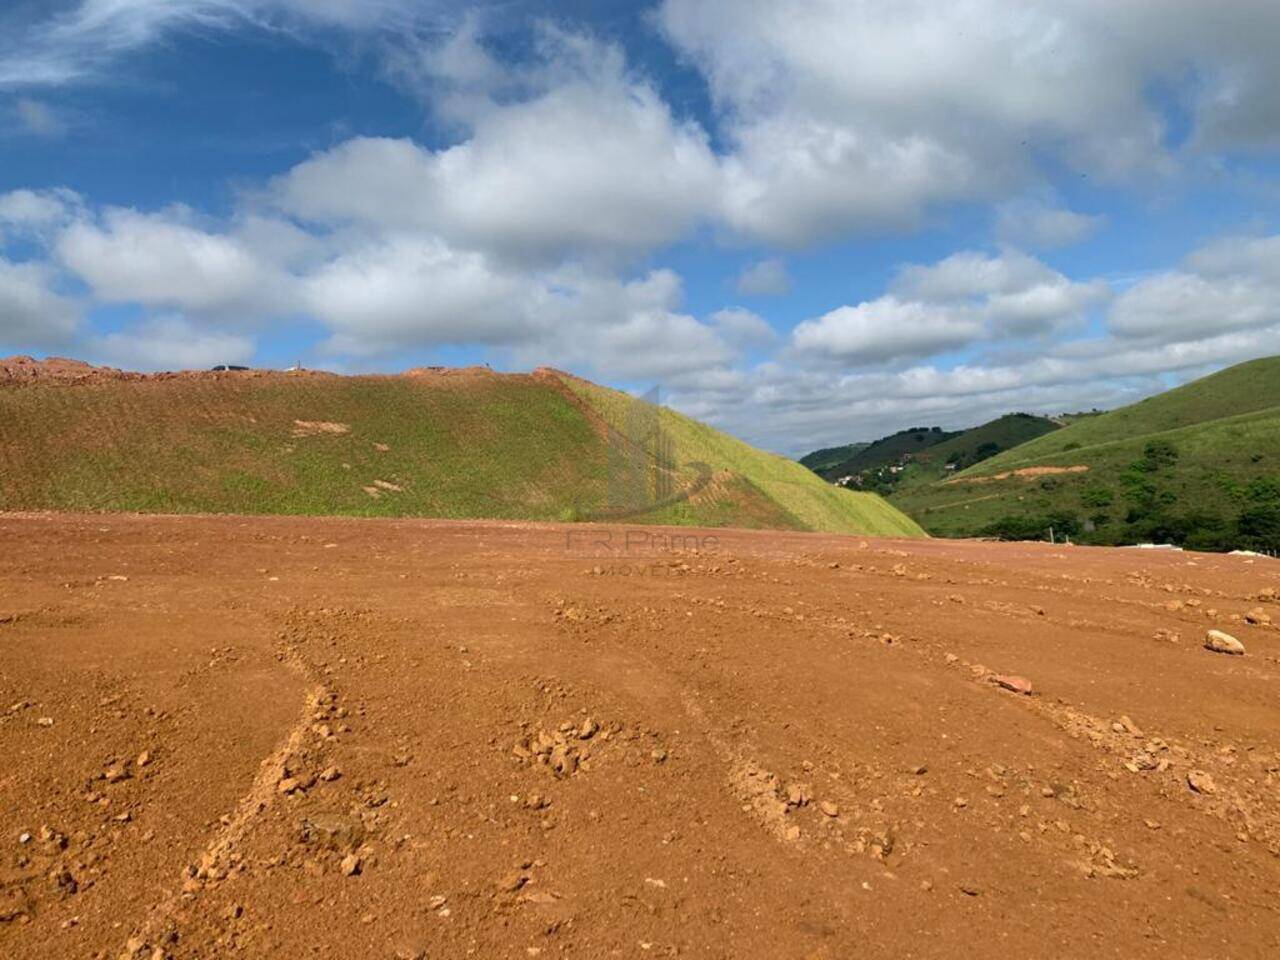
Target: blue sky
(810, 221)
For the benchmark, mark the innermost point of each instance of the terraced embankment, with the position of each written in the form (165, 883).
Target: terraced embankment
(453, 443)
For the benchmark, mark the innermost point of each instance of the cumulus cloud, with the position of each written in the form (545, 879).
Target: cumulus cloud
(743, 328)
(411, 291)
(885, 329)
(37, 212)
(32, 314)
(586, 170)
(1233, 284)
(858, 115)
(765, 278)
(965, 298)
(1043, 226)
(171, 343)
(163, 260)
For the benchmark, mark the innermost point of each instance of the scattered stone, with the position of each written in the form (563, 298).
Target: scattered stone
(1258, 617)
(330, 774)
(1201, 782)
(588, 729)
(1018, 685)
(829, 809)
(288, 785)
(919, 770)
(1125, 725)
(44, 722)
(350, 865)
(1220, 642)
(513, 882)
(799, 795)
(144, 758)
(970, 890)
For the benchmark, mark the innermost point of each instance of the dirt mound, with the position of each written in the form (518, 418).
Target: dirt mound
(357, 738)
(1025, 473)
(23, 369)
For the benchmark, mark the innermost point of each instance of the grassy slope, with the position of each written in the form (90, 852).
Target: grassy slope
(1226, 428)
(812, 503)
(226, 445)
(1005, 432)
(469, 445)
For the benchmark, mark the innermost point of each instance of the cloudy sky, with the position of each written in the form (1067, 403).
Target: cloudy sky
(809, 221)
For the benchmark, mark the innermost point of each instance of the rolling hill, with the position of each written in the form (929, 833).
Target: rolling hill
(821, 460)
(1198, 465)
(884, 452)
(467, 443)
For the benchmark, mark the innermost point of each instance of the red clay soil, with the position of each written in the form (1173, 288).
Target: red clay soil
(343, 738)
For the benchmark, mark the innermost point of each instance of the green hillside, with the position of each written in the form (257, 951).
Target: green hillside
(988, 440)
(823, 459)
(775, 482)
(443, 443)
(1198, 466)
(887, 451)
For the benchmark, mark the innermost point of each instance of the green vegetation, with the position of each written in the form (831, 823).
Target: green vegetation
(886, 452)
(1198, 466)
(778, 483)
(822, 460)
(464, 444)
(923, 455)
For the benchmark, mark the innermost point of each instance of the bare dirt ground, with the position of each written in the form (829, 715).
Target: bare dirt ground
(340, 738)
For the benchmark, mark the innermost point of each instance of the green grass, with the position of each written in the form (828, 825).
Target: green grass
(496, 447)
(1224, 428)
(471, 445)
(812, 503)
(1241, 389)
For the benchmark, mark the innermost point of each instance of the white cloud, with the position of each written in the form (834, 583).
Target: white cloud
(32, 315)
(886, 329)
(765, 278)
(413, 291)
(83, 40)
(1232, 284)
(171, 343)
(162, 260)
(863, 114)
(1015, 294)
(1040, 225)
(36, 213)
(588, 171)
(743, 328)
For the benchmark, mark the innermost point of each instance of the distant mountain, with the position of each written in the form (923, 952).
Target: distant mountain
(883, 453)
(1197, 466)
(820, 460)
(981, 443)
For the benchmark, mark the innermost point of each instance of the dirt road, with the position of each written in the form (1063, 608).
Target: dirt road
(340, 738)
